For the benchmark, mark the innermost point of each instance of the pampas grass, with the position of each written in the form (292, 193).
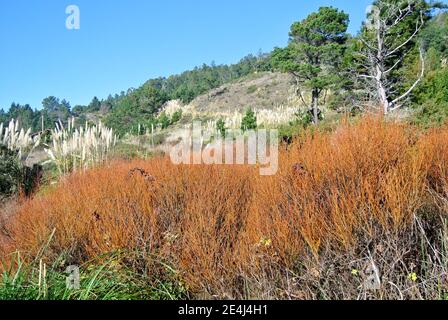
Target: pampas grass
(17, 139)
(81, 148)
(265, 117)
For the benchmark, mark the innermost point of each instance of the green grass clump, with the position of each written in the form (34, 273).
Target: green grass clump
(107, 281)
(252, 89)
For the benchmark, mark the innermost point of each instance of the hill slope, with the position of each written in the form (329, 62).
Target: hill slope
(266, 90)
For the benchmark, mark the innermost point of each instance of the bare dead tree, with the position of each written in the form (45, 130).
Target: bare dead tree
(384, 49)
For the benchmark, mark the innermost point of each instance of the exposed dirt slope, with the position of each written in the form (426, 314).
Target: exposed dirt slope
(258, 91)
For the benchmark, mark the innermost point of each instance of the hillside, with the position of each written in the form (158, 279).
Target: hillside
(269, 94)
(267, 90)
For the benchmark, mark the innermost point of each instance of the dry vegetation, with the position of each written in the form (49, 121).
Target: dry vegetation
(370, 191)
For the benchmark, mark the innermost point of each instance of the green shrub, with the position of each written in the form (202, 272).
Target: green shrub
(431, 114)
(287, 133)
(164, 121)
(252, 89)
(11, 172)
(249, 121)
(176, 117)
(221, 127)
(431, 99)
(302, 119)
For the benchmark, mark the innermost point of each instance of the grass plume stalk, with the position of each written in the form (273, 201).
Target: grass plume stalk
(75, 149)
(18, 139)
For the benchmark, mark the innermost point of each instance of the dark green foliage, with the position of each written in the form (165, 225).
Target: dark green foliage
(28, 118)
(435, 87)
(431, 99)
(249, 121)
(23, 113)
(32, 178)
(15, 177)
(10, 172)
(176, 117)
(287, 133)
(138, 107)
(221, 127)
(432, 114)
(164, 120)
(191, 84)
(55, 110)
(435, 34)
(95, 105)
(303, 119)
(315, 51)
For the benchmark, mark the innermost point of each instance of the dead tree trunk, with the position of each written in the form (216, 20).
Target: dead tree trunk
(315, 105)
(383, 54)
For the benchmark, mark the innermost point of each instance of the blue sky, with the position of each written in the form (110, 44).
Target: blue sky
(123, 43)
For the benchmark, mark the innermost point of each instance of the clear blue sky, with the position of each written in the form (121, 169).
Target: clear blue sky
(123, 43)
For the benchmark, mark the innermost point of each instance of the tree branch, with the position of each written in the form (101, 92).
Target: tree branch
(417, 30)
(407, 93)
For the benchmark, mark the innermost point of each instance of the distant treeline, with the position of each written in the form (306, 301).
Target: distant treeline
(138, 106)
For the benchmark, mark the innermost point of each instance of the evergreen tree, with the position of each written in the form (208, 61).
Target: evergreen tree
(249, 121)
(315, 51)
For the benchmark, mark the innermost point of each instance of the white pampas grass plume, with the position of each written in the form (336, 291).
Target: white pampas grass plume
(80, 148)
(17, 139)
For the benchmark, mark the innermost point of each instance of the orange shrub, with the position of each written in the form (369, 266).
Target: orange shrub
(219, 225)
(332, 186)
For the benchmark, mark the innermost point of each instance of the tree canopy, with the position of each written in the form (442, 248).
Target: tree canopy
(316, 49)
